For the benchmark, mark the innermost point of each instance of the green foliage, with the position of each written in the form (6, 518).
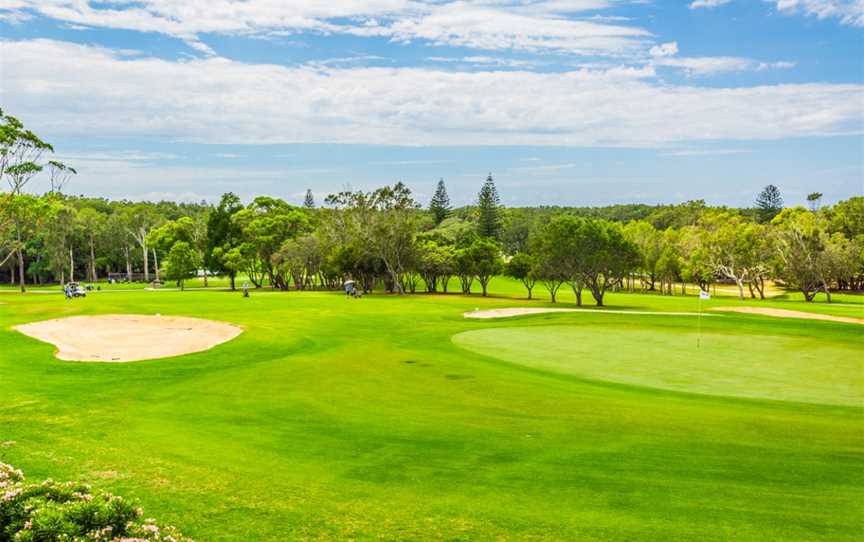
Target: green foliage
(769, 202)
(489, 220)
(182, 263)
(439, 206)
(58, 512)
(523, 266)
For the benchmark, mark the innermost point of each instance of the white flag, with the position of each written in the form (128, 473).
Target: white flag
(704, 295)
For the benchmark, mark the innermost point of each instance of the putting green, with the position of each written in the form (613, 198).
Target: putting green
(760, 366)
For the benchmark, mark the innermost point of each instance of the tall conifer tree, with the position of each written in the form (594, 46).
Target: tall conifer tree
(489, 223)
(440, 204)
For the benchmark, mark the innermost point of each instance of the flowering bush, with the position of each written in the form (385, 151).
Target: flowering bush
(70, 512)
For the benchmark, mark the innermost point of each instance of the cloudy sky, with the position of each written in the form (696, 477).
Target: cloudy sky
(577, 102)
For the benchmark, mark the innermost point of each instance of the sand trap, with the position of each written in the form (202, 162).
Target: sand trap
(129, 337)
(507, 313)
(783, 313)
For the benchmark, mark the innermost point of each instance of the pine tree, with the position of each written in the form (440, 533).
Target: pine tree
(489, 206)
(769, 202)
(440, 204)
(814, 200)
(309, 202)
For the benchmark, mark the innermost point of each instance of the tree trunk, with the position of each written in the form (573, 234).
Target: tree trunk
(146, 259)
(577, 289)
(827, 291)
(156, 264)
(231, 276)
(71, 266)
(21, 270)
(128, 263)
(93, 276)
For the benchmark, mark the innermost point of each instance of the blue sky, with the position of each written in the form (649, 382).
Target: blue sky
(570, 102)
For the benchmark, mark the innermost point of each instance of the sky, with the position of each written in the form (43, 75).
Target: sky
(564, 102)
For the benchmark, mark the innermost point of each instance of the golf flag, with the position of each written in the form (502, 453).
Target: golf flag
(704, 295)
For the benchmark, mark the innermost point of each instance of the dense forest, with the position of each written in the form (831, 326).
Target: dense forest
(384, 239)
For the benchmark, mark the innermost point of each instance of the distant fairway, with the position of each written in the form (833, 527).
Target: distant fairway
(340, 419)
(758, 366)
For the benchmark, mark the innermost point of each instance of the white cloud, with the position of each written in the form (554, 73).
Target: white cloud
(849, 12)
(664, 49)
(706, 152)
(696, 4)
(540, 25)
(664, 55)
(64, 89)
(713, 65)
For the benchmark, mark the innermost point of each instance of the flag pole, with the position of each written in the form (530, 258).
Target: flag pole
(699, 322)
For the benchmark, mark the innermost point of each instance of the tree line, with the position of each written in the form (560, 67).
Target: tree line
(384, 239)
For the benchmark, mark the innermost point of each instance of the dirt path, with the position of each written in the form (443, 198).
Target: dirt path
(128, 337)
(784, 313)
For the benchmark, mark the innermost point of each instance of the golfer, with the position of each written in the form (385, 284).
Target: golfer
(245, 289)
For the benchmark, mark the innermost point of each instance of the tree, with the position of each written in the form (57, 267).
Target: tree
(266, 224)
(223, 235)
(464, 267)
(769, 202)
(309, 200)
(381, 223)
(485, 256)
(606, 256)
(58, 175)
(649, 241)
(557, 256)
(522, 266)
(801, 245)
(435, 262)
(735, 249)
(814, 199)
(182, 263)
(92, 224)
(440, 204)
(141, 218)
(489, 221)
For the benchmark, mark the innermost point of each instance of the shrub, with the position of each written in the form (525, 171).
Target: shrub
(70, 512)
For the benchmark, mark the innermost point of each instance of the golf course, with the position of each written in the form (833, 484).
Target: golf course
(394, 417)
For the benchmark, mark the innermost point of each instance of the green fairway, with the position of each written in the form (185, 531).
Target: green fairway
(725, 363)
(395, 418)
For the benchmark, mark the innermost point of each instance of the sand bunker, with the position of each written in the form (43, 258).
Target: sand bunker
(783, 313)
(507, 313)
(129, 337)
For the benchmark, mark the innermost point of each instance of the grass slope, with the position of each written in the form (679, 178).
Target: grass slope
(336, 419)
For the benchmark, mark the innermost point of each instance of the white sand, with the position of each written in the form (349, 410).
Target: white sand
(783, 313)
(129, 337)
(507, 313)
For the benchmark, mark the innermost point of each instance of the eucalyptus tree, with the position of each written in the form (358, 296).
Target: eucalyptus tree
(93, 227)
(265, 225)
(802, 245)
(59, 175)
(649, 241)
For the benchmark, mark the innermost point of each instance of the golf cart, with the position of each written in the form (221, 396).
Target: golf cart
(76, 290)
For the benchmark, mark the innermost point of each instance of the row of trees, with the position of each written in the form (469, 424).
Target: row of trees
(383, 238)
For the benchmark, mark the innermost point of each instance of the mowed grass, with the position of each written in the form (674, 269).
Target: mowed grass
(341, 419)
(720, 362)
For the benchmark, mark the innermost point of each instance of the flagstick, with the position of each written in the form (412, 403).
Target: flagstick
(699, 322)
